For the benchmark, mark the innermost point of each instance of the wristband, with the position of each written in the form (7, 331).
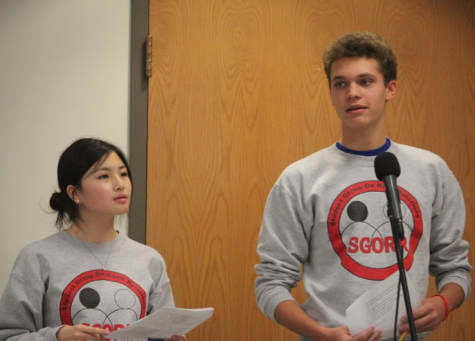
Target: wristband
(447, 310)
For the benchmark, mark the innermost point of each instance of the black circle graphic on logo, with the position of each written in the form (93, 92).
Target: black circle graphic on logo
(357, 211)
(89, 298)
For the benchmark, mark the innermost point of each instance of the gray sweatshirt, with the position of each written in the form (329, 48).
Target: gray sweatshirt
(328, 212)
(58, 281)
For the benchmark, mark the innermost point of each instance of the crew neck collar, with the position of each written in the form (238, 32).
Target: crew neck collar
(373, 152)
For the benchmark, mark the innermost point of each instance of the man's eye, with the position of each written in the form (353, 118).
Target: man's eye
(339, 85)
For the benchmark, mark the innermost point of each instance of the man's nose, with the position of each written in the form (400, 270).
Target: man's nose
(353, 92)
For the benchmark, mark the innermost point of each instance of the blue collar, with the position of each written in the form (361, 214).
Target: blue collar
(373, 152)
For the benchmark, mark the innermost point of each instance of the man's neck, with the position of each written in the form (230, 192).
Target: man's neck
(363, 140)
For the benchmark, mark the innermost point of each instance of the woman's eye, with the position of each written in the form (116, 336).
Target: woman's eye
(125, 174)
(104, 176)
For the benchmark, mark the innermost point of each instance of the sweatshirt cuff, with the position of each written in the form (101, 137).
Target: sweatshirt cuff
(464, 283)
(51, 334)
(270, 307)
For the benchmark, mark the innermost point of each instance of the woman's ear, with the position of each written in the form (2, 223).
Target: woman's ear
(71, 190)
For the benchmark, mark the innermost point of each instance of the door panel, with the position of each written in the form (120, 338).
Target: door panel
(238, 93)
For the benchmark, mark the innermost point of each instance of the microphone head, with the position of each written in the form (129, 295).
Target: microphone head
(386, 164)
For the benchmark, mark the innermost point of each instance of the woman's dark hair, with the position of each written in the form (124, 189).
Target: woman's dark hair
(362, 44)
(73, 164)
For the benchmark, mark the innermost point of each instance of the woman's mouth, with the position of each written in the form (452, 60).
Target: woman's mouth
(121, 199)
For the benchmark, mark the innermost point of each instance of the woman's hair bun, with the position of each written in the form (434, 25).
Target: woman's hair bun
(56, 201)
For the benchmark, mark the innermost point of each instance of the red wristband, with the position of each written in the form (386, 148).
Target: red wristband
(447, 310)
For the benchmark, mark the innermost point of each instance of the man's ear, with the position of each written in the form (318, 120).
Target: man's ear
(391, 90)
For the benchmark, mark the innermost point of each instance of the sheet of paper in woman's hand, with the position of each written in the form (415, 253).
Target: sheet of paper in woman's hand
(163, 324)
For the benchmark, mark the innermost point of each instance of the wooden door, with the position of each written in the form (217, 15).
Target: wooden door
(238, 92)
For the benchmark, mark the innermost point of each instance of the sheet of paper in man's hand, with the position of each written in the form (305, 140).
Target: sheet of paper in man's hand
(377, 307)
(163, 324)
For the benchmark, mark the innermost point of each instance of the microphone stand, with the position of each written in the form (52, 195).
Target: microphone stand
(398, 236)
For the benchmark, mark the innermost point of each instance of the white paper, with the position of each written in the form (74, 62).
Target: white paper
(163, 324)
(377, 307)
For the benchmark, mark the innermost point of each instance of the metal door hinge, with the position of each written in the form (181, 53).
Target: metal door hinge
(148, 57)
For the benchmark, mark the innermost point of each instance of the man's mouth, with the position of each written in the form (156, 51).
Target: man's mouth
(355, 109)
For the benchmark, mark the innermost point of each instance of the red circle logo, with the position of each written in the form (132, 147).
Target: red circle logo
(112, 300)
(357, 234)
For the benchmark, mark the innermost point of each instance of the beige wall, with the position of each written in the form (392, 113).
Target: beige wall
(64, 67)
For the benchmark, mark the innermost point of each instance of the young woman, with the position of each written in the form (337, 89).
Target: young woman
(86, 280)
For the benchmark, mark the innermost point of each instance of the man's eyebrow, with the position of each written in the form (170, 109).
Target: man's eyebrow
(366, 74)
(361, 75)
(338, 78)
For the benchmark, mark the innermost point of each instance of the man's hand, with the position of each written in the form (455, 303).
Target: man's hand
(343, 334)
(427, 317)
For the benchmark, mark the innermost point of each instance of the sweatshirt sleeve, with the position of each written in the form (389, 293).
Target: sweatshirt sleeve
(448, 259)
(282, 247)
(21, 306)
(161, 295)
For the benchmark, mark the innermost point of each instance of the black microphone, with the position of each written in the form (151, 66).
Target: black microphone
(387, 170)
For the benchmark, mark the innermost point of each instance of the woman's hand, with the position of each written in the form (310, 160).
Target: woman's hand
(80, 332)
(176, 338)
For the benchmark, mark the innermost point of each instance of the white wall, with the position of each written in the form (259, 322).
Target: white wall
(64, 74)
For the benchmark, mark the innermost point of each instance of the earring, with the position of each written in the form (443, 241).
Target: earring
(77, 200)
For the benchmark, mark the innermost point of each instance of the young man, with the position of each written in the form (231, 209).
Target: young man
(327, 212)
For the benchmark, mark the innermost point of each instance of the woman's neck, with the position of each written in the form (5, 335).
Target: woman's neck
(93, 230)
